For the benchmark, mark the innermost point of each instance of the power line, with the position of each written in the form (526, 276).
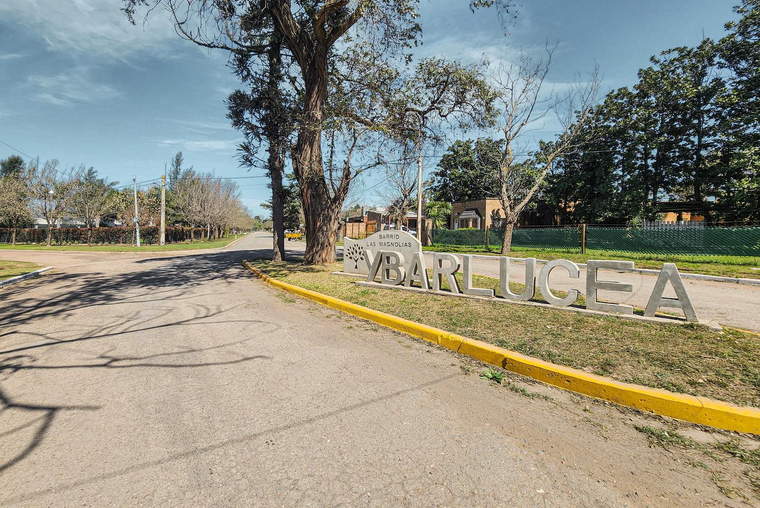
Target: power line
(16, 149)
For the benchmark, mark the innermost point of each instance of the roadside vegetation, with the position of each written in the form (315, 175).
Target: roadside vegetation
(689, 359)
(211, 244)
(10, 269)
(724, 266)
(74, 204)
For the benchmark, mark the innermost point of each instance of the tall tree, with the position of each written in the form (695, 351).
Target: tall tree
(310, 31)
(437, 92)
(14, 195)
(518, 178)
(740, 51)
(93, 199)
(12, 166)
(465, 170)
(51, 191)
(265, 113)
(401, 183)
(176, 168)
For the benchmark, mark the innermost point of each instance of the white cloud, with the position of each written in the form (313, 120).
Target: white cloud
(92, 27)
(75, 86)
(10, 56)
(208, 145)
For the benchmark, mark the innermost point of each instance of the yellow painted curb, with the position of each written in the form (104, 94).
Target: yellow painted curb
(692, 409)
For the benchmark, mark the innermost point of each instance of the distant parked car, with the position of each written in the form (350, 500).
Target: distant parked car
(293, 235)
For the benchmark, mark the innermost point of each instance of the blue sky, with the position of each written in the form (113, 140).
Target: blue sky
(82, 85)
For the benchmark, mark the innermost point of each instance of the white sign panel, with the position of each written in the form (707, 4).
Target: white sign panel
(359, 254)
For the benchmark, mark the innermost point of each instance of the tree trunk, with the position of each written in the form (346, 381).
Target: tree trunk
(192, 232)
(321, 211)
(89, 236)
(506, 243)
(276, 170)
(13, 236)
(277, 141)
(49, 234)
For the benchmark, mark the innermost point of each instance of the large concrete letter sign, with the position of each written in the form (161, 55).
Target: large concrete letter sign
(393, 262)
(530, 280)
(682, 301)
(396, 269)
(543, 282)
(448, 271)
(467, 279)
(374, 266)
(359, 254)
(593, 285)
(417, 272)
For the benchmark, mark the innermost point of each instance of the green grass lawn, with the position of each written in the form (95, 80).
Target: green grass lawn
(725, 266)
(688, 359)
(10, 269)
(125, 248)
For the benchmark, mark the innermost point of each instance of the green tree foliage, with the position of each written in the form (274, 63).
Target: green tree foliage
(92, 199)
(687, 132)
(14, 195)
(12, 166)
(292, 212)
(311, 33)
(740, 54)
(465, 170)
(438, 212)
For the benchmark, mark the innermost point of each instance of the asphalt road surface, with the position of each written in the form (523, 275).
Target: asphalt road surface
(180, 380)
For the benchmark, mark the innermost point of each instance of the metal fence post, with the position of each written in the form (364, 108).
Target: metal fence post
(583, 238)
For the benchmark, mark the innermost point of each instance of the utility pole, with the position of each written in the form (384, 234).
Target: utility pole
(419, 184)
(136, 219)
(163, 208)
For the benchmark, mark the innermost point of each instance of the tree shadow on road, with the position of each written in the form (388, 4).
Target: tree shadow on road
(159, 285)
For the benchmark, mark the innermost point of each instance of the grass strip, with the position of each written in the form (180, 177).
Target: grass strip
(690, 359)
(10, 269)
(213, 244)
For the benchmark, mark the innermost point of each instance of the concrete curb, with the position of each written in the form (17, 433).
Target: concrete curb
(649, 271)
(699, 410)
(21, 278)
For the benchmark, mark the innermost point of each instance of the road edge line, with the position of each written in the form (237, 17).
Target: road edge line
(699, 410)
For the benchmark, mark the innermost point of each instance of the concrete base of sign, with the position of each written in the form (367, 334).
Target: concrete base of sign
(346, 274)
(662, 319)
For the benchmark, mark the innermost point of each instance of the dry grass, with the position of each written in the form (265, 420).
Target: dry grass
(10, 269)
(688, 359)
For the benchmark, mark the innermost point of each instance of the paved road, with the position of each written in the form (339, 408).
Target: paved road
(181, 381)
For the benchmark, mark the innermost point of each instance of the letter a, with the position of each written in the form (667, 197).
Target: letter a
(417, 272)
(682, 301)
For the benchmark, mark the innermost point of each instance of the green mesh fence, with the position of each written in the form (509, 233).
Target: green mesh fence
(464, 237)
(540, 238)
(735, 241)
(565, 238)
(717, 241)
